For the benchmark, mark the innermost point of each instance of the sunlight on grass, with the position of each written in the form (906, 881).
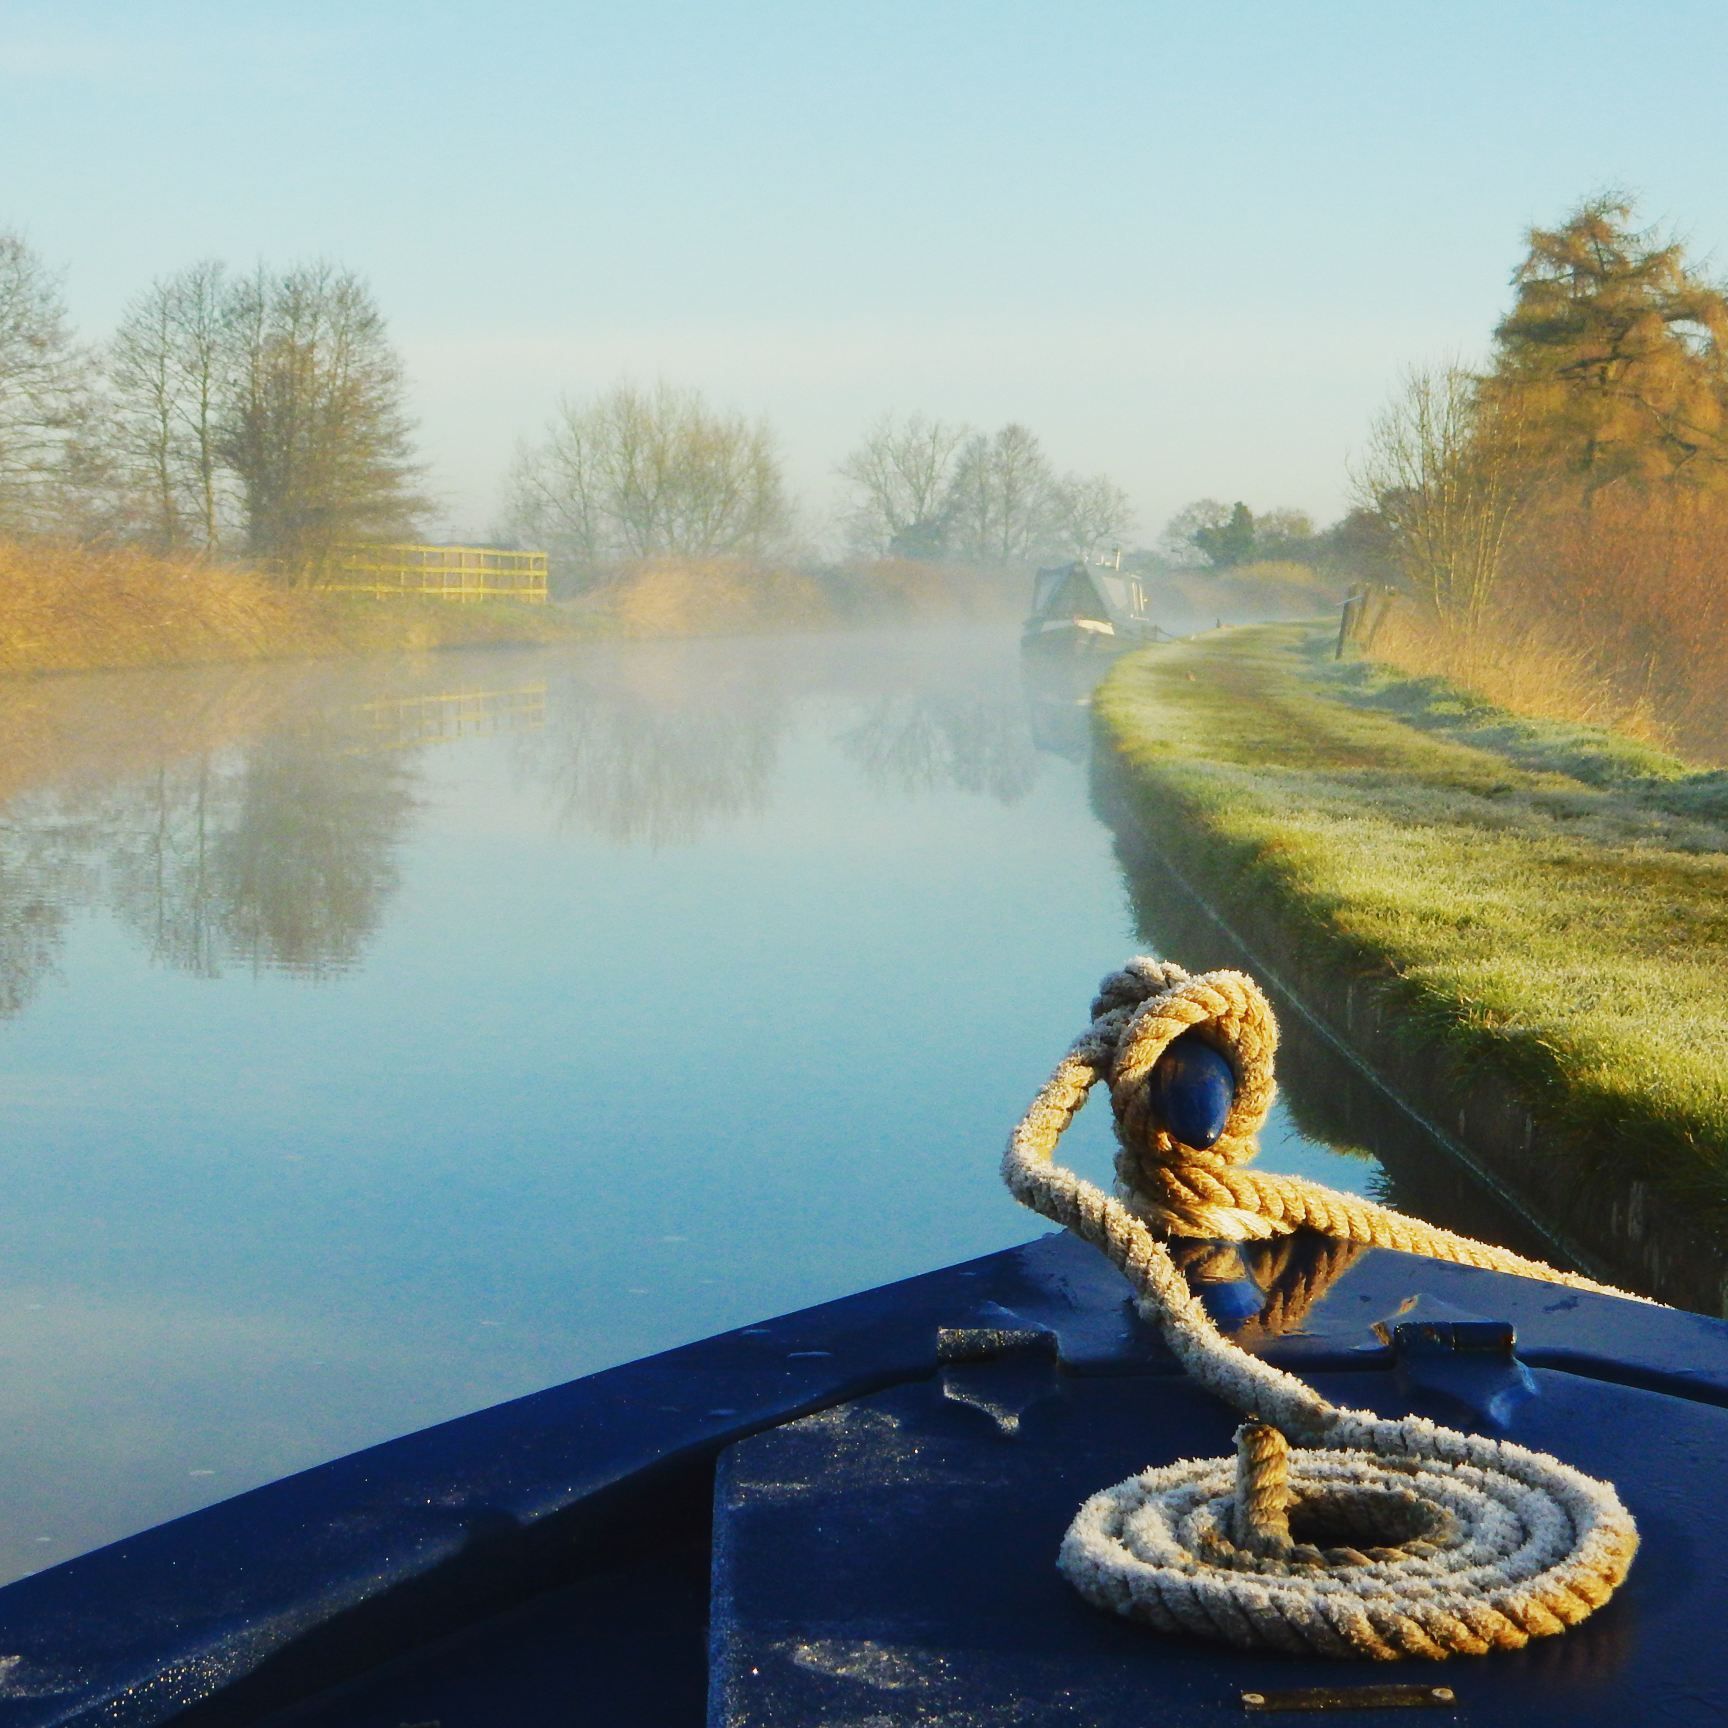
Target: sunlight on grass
(1547, 899)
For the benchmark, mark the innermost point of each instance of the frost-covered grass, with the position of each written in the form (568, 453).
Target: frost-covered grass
(1546, 900)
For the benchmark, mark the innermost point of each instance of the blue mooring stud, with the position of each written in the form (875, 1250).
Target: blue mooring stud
(1192, 1086)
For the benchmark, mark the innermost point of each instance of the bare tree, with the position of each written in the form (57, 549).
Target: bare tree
(1000, 501)
(43, 391)
(1090, 514)
(315, 426)
(1447, 471)
(145, 434)
(898, 478)
(642, 473)
(166, 377)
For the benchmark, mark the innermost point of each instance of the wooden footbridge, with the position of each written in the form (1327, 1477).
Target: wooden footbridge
(445, 572)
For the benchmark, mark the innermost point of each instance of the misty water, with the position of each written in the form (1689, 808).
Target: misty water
(381, 1041)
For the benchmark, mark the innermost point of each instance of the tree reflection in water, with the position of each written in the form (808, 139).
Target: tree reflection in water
(643, 753)
(254, 817)
(33, 911)
(304, 868)
(642, 777)
(913, 741)
(160, 869)
(659, 748)
(227, 818)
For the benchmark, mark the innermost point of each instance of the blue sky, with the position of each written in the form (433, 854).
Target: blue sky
(1189, 245)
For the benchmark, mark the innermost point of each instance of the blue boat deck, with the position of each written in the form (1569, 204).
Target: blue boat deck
(889, 1477)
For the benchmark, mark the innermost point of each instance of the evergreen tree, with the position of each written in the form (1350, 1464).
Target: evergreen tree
(1178, 544)
(1613, 354)
(1231, 541)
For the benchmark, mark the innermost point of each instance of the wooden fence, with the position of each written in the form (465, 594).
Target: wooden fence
(1365, 609)
(447, 572)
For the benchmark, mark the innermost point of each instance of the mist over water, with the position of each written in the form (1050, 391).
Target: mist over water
(380, 1041)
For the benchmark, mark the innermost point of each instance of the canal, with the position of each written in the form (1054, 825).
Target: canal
(379, 1041)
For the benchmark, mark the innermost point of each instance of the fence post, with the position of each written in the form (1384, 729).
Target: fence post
(1387, 594)
(1351, 600)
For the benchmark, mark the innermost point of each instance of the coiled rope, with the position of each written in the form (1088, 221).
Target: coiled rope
(1373, 1537)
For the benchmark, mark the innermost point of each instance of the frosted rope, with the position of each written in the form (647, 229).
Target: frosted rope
(1372, 1537)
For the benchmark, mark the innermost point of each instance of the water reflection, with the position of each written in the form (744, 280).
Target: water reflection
(250, 1224)
(913, 742)
(211, 845)
(33, 912)
(160, 861)
(405, 721)
(304, 864)
(644, 753)
(667, 745)
(1058, 697)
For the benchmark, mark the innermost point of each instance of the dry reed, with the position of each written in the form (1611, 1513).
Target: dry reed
(1528, 666)
(1612, 610)
(712, 597)
(66, 608)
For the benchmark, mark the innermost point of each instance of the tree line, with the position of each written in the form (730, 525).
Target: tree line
(1211, 534)
(635, 473)
(924, 488)
(261, 414)
(646, 473)
(1556, 515)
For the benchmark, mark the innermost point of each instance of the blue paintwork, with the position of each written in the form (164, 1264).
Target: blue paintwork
(1191, 1089)
(922, 1585)
(1229, 1303)
(555, 1549)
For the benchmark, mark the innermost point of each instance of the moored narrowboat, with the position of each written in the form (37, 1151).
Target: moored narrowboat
(1083, 608)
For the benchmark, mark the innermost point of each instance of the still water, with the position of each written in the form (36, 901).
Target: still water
(380, 1041)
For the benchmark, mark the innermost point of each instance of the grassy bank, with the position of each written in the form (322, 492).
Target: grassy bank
(70, 609)
(1540, 905)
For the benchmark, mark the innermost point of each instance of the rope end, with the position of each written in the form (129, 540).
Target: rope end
(1260, 1515)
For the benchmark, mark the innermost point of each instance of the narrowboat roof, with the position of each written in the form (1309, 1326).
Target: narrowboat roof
(1109, 593)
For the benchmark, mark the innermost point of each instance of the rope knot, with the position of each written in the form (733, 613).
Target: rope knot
(1376, 1537)
(1187, 1190)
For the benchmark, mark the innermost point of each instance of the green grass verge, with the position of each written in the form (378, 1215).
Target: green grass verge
(1546, 903)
